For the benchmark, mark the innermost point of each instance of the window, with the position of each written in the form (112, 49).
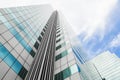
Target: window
(58, 35)
(74, 69)
(17, 66)
(58, 57)
(19, 38)
(13, 31)
(3, 52)
(25, 45)
(42, 33)
(44, 29)
(58, 28)
(58, 40)
(58, 47)
(40, 38)
(32, 53)
(59, 76)
(9, 60)
(64, 53)
(67, 72)
(36, 45)
(23, 73)
(58, 31)
(28, 48)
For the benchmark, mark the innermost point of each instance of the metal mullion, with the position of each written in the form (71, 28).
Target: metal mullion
(45, 54)
(46, 48)
(50, 51)
(42, 49)
(36, 57)
(52, 69)
(40, 55)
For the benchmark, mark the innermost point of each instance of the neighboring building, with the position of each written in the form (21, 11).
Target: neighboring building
(34, 45)
(106, 64)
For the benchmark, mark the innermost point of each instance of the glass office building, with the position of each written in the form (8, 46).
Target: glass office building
(105, 66)
(34, 45)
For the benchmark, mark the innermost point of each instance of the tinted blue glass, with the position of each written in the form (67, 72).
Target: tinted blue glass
(9, 59)
(30, 26)
(3, 52)
(78, 68)
(17, 67)
(28, 48)
(23, 43)
(2, 19)
(18, 37)
(13, 31)
(8, 25)
(29, 37)
(20, 26)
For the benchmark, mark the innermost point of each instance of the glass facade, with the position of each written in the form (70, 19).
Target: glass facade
(67, 72)
(21, 31)
(66, 66)
(34, 45)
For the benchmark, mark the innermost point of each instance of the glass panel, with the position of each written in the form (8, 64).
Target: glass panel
(36, 45)
(23, 73)
(32, 53)
(18, 36)
(17, 67)
(58, 57)
(59, 76)
(40, 38)
(8, 25)
(3, 52)
(3, 19)
(66, 73)
(64, 53)
(58, 47)
(74, 69)
(58, 40)
(58, 35)
(13, 31)
(9, 59)
(25, 45)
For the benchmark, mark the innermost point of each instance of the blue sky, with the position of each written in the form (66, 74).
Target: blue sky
(110, 40)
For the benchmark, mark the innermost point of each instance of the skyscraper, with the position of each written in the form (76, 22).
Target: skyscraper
(35, 45)
(104, 66)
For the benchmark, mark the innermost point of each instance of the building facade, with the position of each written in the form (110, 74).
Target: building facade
(105, 66)
(34, 45)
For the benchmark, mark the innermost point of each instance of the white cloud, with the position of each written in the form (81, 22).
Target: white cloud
(115, 42)
(85, 16)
